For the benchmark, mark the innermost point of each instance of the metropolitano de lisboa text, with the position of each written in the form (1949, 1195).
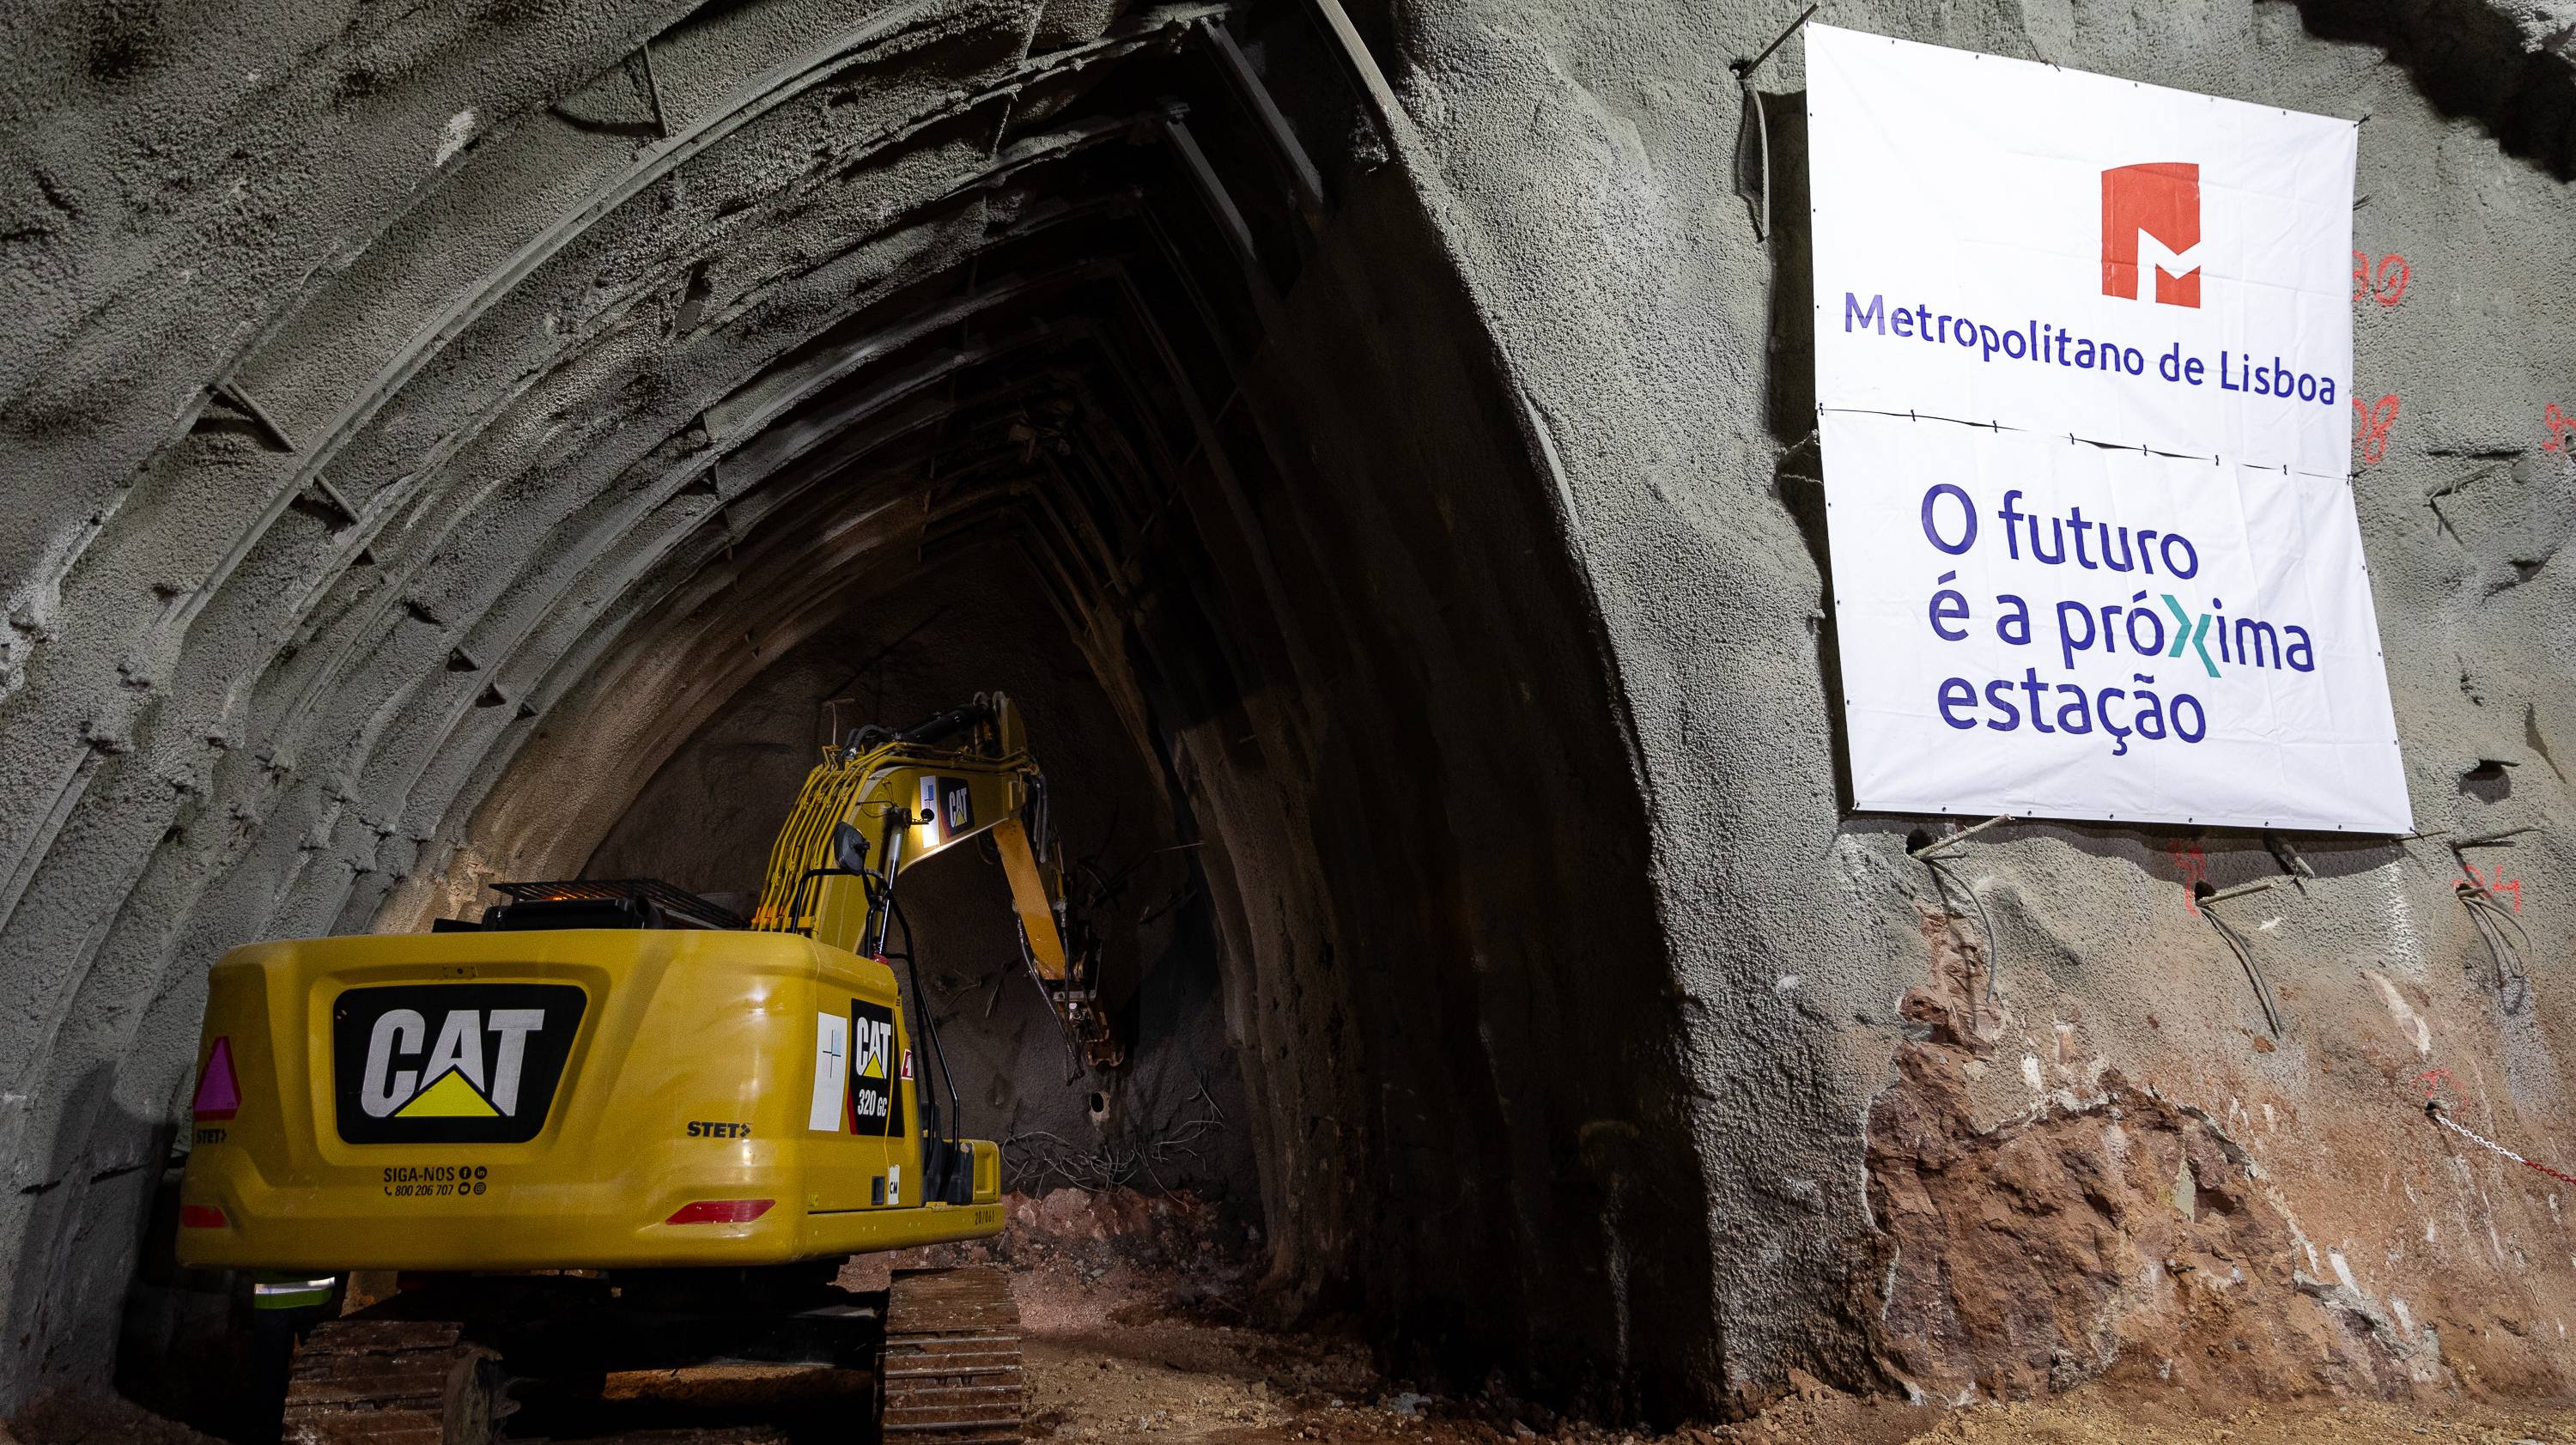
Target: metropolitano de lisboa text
(2042, 343)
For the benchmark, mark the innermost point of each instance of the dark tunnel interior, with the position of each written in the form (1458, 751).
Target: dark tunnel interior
(772, 362)
(1173, 1116)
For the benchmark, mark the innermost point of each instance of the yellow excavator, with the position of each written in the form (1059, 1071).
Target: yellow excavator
(615, 1141)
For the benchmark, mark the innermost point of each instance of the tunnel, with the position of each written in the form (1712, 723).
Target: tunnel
(507, 440)
(1096, 355)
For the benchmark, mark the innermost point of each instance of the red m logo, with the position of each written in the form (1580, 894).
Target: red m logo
(2159, 202)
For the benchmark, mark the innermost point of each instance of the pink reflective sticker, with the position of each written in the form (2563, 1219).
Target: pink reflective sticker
(218, 1096)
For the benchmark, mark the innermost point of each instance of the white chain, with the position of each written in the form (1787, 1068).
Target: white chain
(2434, 1111)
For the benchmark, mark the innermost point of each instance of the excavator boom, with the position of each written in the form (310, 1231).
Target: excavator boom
(882, 802)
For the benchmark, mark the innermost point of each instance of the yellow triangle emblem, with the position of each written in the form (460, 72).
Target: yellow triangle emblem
(450, 1097)
(874, 1068)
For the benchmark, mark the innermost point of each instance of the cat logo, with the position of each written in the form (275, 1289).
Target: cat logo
(450, 1063)
(948, 809)
(876, 1105)
(855, 1065)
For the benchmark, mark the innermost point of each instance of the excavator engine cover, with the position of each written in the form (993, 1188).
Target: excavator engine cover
(585, 1098)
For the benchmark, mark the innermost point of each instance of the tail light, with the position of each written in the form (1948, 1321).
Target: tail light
(720, 1211)
(202, 1216)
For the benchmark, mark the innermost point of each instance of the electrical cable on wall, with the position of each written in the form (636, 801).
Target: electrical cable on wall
(2241, 946)
(1930, 852)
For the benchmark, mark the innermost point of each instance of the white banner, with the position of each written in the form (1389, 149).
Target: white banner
(2084, 364)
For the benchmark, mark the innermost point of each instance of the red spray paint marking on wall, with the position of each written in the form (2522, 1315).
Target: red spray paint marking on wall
(2193, 864)
(2387, 284)
(2371, 430)
(2494, 882)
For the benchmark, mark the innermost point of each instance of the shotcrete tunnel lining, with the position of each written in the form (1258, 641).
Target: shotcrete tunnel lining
(1417, 604)
(538, 464)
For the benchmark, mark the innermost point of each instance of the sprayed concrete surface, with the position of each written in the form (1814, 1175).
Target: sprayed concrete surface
(1642, 321)
(422, 425)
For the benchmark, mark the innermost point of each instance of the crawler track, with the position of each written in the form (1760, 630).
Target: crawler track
(949, 1372)
(952, 1360)
(391, 1382)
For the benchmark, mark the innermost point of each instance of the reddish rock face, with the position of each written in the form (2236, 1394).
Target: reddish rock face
(2123, 1237)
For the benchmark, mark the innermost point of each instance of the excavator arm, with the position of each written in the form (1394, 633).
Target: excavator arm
(882, 803)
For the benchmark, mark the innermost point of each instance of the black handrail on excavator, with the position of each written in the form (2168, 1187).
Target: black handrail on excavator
(940, 1167)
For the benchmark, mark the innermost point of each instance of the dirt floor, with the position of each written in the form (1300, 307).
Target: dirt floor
(1133, 1309)
(1135, 1334)
(1106, 1367)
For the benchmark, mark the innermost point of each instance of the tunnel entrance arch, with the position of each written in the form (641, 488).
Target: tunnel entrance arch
(687, 342)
